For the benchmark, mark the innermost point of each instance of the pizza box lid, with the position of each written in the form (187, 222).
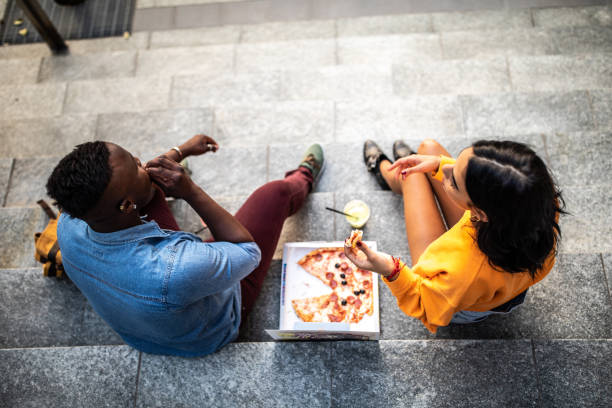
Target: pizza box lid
(296, 283)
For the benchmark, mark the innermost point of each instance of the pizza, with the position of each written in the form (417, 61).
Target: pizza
(351, 297)
(351, 242)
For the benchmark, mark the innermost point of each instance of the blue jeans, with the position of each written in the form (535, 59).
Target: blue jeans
(466, 316)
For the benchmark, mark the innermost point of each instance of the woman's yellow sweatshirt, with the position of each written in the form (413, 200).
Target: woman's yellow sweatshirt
(453, 274)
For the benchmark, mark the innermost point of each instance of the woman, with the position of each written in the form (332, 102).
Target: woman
(501, 207)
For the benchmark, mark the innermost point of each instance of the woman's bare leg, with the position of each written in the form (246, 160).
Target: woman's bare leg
(452, 213)
(424, 222)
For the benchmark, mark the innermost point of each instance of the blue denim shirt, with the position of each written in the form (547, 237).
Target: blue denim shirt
(163, 292)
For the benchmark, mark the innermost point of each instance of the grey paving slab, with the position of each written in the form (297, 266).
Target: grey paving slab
(560, 72)
(210, 90)
(574, 372)
(386, 225)
(195, 37)
(433, 373)
(45, 136)
(390, 119)
(582, 40)
(231, 171)
(385, 25)
(482, 20)
(337, 83)
(311, 223)
(266, 10)
(29, 180)
(484, 75)
(69, 377)
(266, 312)
(588, 227)
(17, 239)
(522, 113)
(37, 50)
(426, 6)
(38, 311)
(476, 44)
(19, 71)
(95, 331)
(388, 49)
(602, 106)
(580, 159)
(6, 165)
(149, 134)
(571, 16)
(254, 57)
(264, 123)
(31, 101)
(197, 16)
(114, 64)
(258, 374)
(158, 18)
(212, 59)
(136, 41)
(550, 3)
(607, 265)
(288, 31)
(356, 8)
(117, 95)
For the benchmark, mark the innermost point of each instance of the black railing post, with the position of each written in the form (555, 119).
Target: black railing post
(43, 25)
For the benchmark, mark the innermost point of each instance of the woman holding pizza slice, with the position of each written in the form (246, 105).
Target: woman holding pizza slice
(501, 207)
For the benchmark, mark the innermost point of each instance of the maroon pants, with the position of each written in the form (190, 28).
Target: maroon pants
(263, 215)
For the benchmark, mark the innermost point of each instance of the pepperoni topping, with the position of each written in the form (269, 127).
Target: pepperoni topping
(333, 297)
(318, 257)
(358, 303)
(344, 266)
(329, 275)
(341, 255)
(333, 284)
(350, 299)
(334, 318)
(364, 273)
(366, 284)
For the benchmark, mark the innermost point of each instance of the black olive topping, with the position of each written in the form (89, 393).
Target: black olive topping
(337, 265)
(342, 275)
(362, 291)
(344, 282)
(343, 302)
(356, 293)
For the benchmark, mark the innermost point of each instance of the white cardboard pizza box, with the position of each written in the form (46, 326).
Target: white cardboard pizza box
(296, 283)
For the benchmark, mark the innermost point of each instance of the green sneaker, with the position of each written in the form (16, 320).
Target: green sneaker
(314, 160)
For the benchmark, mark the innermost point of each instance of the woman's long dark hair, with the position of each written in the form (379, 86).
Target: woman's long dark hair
(513, 186)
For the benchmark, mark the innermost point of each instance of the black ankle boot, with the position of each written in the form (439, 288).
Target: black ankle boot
(401, 149)
(373, 155)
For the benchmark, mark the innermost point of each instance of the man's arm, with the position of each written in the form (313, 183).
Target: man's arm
(197, 145)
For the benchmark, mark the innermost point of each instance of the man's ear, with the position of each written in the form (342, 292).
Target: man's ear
(126, 206)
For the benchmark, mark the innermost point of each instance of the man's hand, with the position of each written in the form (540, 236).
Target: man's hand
(365, 258)
(199, 144)
(170, 176)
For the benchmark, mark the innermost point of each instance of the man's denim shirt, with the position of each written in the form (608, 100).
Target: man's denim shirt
(163, 292)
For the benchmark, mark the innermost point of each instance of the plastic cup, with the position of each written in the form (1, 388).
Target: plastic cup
(360, 212)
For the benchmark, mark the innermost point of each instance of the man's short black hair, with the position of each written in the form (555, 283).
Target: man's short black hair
(79, 180)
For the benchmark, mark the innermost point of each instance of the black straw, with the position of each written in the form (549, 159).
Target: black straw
(340, 212)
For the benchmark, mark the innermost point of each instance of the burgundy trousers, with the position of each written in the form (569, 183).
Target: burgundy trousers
(263, 215)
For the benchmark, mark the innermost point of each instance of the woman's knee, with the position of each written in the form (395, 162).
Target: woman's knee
(431, 147)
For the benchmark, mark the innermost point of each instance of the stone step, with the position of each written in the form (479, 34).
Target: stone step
(321, 374)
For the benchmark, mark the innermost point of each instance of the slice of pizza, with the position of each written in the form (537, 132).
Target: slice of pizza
(326, 264)
(356, 236)
(324, 308)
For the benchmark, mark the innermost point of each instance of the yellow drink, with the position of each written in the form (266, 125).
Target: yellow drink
(360, 213)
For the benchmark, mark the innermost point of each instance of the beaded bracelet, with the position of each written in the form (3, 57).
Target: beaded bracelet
(396, 268)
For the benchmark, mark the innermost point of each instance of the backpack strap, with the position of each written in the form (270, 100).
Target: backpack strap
(43, 204)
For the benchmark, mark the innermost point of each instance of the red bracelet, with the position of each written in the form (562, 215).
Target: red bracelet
(396, 269)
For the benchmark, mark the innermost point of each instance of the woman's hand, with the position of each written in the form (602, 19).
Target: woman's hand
(199, 144)
(365, 258)
(416, 163)
(170, 176)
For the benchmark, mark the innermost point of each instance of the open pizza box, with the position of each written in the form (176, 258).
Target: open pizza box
(297, 283)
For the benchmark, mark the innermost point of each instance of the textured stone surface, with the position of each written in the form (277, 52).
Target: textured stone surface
(259, 374)
(521, 113)
(17, 238)
(572, 16)
(388, 49)
(580, 159)
(452, 77)
(19, 71)
(263, 123)
(136, 41)
(482, 20)
(6, 166)
(46, 136)
(94, 331)
(560, 72)
(385, 25)
(149, 134)
(442, 373)
(475, 44)
(263, 11)
(31, 101)
(195, 37)
(607, 265)
(582, 40)
(253, 57)
(117, 95)
(100, 65)
(28, 183)
(204, 91)
(69, 377)
(420, 117)
(574, 372)
(602, 106)
(287, 31)
(212, 59)
(24, 51)
(337, 83)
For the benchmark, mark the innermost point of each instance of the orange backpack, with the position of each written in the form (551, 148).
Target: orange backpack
(46, 248)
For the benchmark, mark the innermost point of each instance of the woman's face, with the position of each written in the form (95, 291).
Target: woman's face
(454, 180)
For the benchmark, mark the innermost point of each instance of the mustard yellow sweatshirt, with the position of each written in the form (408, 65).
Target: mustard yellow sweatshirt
(453, 274)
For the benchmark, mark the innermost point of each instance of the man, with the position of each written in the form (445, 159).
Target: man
(162, 290)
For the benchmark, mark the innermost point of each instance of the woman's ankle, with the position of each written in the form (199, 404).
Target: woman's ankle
(390, 177)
